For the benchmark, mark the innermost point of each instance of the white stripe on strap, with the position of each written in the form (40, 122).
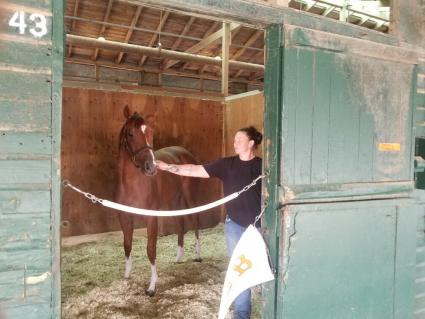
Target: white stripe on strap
(164, 213)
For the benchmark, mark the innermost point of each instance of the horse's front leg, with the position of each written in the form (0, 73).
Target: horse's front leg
(152, 230)
(127, 227)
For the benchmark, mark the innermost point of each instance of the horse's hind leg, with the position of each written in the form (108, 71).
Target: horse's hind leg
(180, 238)
(127, 227)
(152, 229)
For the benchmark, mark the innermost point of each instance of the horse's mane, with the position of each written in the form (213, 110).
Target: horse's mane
(138, 121)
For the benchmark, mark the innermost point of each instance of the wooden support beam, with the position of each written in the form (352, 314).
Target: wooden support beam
(161, 24)
(310, 6)
(249, 42)
(148, 69)
(77, 3)
(204, 43)
(328, 11)
(156, 52)
(210, 30)
(179, 39)
(282, 3)
(225, 58)
(130, 32)
(103, 28)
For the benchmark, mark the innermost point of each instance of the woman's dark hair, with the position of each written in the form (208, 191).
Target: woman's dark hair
(253, 134)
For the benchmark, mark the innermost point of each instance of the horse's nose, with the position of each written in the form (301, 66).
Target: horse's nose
(150, 168)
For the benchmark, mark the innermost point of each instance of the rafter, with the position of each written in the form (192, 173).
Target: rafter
(328, 10)
(161, 24)
(129, 32)
(204, 43)
(77, 3)
(215, 52)
(102, 30)
(179, 39)
(247, 44)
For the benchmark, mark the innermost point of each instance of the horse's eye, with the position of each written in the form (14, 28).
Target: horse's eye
(130, 134)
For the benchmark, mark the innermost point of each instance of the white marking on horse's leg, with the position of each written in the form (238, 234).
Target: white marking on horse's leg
(180, 253)
(198, 248)
(154, 278)
(128, 266)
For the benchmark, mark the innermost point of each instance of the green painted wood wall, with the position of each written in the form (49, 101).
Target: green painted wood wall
(345, 242)
(30, 102)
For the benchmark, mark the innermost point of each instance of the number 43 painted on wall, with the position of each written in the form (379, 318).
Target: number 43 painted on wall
(40, 23)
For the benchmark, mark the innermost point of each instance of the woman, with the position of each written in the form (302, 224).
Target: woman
(235, 173)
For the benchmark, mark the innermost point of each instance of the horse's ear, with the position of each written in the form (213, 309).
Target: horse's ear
(126, 112)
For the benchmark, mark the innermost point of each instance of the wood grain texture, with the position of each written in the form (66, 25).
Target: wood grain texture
(91, 124)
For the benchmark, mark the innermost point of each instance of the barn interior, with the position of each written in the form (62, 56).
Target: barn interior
(201, 78)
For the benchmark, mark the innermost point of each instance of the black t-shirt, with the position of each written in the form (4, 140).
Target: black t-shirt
(235, 175)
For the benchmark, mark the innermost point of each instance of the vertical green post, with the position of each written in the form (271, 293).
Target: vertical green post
(271, 162)
(57, 75)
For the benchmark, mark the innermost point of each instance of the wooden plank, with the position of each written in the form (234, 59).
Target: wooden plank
(22, 203)
(225, 59)
(129, 32)
(290, 96)
(33, 308)
(25, 86)
(25, 116)
(320, 136)
(102, 29)
(257, 12)
(34, 259)
(242, 113)
(212, 38)
(163, 20)
(11, 285)
(28, 233)
(24, 54)
(25, 171)
(56, 129)
(304, 117)
(344, 125)
(33, 6)
(89, 153)
(28, 143)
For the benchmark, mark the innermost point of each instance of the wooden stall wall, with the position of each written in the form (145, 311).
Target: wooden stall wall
(92, 120)
(239, 113)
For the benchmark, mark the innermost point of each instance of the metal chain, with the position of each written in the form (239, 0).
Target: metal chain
(257, 218)
(93, 198)
(252, 184)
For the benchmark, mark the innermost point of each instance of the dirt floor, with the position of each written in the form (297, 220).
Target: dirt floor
(93, 284)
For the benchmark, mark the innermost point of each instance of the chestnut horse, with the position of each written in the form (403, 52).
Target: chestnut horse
(141, 185)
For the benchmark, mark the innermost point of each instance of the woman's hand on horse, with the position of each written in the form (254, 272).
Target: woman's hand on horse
(161, 165)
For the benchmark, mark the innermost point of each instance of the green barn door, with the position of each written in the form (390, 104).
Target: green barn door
(341, 218)
(419, 129)
(31, 45)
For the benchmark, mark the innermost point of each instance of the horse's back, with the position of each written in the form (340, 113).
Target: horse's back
(175, 155)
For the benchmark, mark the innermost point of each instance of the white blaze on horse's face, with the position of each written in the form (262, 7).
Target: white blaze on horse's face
(143, 128)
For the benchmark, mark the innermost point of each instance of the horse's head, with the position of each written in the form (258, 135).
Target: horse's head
(137, 138)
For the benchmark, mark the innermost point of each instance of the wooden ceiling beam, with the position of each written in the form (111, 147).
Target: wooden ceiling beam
(179, 39)
(103, 28)
(208, 40)
(161, 24)
(129, 32)
(77, 3)
(149, 69)
(247, 44)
